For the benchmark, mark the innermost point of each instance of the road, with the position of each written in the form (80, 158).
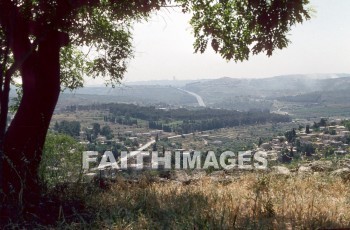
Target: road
(199, 98)
(182, 135)
(145, 146)
(139, 150)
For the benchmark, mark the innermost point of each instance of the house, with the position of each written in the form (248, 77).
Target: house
(305, 138)
(277, 148)
(129, 132)
(84, 142)
(340, 152)
(156, 132)
(101, 139)
(217, 142)
(336, 143)
(345, 133)
(272, 155)
(340, 127)
(275, 141)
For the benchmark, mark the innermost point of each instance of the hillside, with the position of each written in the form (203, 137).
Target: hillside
(225, 93)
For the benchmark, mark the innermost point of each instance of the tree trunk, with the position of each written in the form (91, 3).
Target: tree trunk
(25, 137)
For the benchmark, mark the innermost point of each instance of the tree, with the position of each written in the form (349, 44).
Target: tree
(346, 123)
(56, 126)
(298, 146)
(107, 132)
(307, 129)
(300, 127)
(71, 128)
(290, 136)
(323, 122)
(154, 147)
(308, 148)
(39, 41)
(96, 129)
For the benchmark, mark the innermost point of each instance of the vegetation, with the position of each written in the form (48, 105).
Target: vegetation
(61, 160)
(185, 120)
(71, 128)
(322, 122)
(39, 43)
(231, 200)
(251, 201)
(41, 180)
(107, 132)
(307, 129)
(346, 123)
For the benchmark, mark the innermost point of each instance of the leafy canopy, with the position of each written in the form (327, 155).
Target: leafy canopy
(235, 29)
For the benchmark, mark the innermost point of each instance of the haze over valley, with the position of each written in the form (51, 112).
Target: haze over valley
(290, 93)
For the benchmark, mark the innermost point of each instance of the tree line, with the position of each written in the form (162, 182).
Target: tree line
(183, 120)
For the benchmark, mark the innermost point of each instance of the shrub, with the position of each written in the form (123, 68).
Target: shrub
(61, 160)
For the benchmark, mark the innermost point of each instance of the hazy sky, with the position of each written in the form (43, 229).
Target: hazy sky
(163, 49)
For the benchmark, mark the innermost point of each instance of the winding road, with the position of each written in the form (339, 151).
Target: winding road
(199, 98)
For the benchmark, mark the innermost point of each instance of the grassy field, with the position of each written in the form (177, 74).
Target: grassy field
(244, 201)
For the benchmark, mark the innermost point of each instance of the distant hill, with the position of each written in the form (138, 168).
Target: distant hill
(229, 93)
(137, 94)
(288, 84)
(330, 96)
(175, 83)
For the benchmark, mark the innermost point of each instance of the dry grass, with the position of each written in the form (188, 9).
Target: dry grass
(251, 201)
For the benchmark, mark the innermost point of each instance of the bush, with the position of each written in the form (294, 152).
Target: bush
(61, 160)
